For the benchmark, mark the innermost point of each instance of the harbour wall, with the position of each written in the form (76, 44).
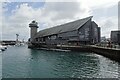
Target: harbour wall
(111, 53)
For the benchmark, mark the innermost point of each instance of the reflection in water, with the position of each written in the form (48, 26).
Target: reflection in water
(76, 65)
(27, 63)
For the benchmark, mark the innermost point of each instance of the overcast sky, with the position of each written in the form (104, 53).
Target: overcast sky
(16, 16)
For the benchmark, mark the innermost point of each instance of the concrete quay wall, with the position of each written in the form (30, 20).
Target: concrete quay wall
(113, 54)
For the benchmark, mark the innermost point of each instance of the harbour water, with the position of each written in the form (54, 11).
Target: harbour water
(21, 62)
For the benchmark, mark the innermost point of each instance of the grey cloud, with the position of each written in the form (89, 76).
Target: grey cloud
(108, 25)
(105, 12)
(62, 10)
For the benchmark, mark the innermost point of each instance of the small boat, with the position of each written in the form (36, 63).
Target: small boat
(3, 48)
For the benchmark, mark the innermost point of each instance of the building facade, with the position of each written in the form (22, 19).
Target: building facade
(115, 37)
(79, 32)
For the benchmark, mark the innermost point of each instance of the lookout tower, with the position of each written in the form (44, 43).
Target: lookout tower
(17, 38)
(33, 29)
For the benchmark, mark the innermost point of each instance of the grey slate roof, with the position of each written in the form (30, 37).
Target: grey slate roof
(63, 28)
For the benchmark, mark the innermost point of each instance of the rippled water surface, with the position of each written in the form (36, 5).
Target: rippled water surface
(21, 62)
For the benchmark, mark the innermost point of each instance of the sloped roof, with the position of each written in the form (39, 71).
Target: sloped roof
(63, 28)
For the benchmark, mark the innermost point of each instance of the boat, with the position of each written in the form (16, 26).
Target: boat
(3, 48)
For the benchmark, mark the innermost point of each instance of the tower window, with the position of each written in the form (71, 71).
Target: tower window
(37, 39)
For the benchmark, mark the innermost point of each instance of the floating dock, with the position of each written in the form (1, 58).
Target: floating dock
(111, 53)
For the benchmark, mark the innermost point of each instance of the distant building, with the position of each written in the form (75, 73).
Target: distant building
(119, 38)
(103, 39)
(115, 37)
(8, 42)
(83, 31)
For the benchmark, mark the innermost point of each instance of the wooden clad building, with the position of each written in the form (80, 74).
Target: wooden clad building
(80, 32)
